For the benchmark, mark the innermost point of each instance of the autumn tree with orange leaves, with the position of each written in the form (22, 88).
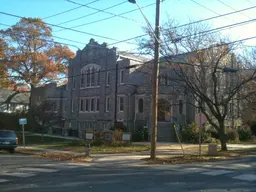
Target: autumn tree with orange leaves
(31, 55)
(4, 81)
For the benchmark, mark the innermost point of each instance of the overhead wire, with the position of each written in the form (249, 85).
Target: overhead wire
(107, 18)
(206, 8)
(92, 34)
(57, 14)
(90, 14)
(220, 1)
(126, 18)
(183, 25)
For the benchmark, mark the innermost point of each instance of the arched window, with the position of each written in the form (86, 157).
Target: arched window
(93, 77)
(88, 79)
(98, 77)
(140, 105)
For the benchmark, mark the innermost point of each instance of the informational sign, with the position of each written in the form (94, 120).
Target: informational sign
(126, 136)
(89, 136)
(23, 121)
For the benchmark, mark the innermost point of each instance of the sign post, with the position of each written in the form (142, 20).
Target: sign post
(23, 122)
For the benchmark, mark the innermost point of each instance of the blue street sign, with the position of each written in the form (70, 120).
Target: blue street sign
(23, 121)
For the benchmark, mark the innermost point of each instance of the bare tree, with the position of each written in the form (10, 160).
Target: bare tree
(205, 63)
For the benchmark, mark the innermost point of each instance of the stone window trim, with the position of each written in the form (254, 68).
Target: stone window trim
(72, 105)
(92, 76)
(121, 76)
(88, 106)
(108, 78)
(121, 103)
(107, 104)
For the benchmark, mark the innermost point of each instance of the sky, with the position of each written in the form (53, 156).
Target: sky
(125, 26)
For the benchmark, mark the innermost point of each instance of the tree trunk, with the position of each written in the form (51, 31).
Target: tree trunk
(30, 97)
(222, 136)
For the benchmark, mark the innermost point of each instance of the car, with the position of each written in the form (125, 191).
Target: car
(8, 140)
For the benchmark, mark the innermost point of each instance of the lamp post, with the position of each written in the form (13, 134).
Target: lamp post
(155, 73)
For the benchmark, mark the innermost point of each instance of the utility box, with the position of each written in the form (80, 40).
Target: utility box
(212, 149)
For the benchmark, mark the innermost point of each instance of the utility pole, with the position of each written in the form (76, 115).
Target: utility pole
(155, 74)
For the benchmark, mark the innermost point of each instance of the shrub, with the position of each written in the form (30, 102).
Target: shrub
(191, 134)
(244, 133)
(232, 134)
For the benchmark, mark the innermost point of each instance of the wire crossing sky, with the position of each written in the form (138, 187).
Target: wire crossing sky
(121, 21)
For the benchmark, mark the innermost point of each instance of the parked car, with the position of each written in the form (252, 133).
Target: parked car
(8, 140)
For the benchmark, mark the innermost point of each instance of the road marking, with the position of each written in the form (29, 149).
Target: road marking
(38, 170)
(240, 165)
(246, 177)
(194, 169)
(3, 180)
(17, 174)
(59, 166)
(217, 172)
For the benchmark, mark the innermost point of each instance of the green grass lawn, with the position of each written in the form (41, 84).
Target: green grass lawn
(78, 145)
(36, 139)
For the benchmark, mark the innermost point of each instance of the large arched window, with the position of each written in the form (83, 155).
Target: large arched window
(140, 105)
(93, 77)
(92, 72)
(88, 79)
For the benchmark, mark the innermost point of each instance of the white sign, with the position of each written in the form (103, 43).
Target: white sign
(23, 121)
(88, 136)
(126, 136)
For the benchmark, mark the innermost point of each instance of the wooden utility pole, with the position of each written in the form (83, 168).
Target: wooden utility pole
(155, 73)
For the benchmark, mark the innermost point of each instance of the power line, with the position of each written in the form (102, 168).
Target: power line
(118, 4)
(174, 62)
(55, 37)
(92, 34)
(70, 10)
(206, 8)
(107, 18)
(130, 19)
(232, 8)
(183, 25)
(186, 24)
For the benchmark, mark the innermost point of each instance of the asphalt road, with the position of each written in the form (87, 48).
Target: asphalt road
(20, 173)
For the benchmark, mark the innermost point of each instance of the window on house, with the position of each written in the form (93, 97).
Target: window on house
(121, 104)
(74, 82)
(107, 104)
(180, 107)
(82, 104)
(88, 78)
(72, 105)
(97, 104)
(108, 78)
(82, 80)
(87, 105)
(93, 77)
(92, 104)
(121, 76)
(140, 105)
(98, 78)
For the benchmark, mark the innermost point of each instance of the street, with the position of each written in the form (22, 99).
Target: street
(23, 173)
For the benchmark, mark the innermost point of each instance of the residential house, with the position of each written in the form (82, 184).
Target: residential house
(19, 102)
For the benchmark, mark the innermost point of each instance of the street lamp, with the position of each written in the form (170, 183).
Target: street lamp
(155, 73)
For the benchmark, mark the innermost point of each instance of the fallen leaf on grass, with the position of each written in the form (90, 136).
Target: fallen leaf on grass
(64, 157)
